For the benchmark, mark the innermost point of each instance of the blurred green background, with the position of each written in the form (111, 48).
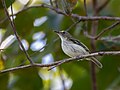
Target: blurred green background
(35, 27)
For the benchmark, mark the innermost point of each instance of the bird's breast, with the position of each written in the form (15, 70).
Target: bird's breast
(73, 50)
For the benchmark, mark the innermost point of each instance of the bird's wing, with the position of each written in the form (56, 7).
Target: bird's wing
(79, 43)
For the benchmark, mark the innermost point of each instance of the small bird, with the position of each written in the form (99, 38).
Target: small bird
(72, 47)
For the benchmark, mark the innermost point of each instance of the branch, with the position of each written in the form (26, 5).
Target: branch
(82, 18)
(36, 6)
(106, 29)
(86, 14)
(28, 66)
(102, 32)
(59, 11)
(51, 2)
(15, 31)
(100, 8)
(93, 18)
(73, 25)
(57, 63)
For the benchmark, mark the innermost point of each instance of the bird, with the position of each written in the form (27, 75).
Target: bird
(73, 47)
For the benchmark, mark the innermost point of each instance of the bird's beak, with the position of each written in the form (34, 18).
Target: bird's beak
(56, 31)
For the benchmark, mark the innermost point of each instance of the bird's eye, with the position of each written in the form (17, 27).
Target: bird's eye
(63, 32)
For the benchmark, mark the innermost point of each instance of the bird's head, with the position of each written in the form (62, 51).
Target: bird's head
(63, 35)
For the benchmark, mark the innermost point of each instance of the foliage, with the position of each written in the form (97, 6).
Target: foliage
(35, 26)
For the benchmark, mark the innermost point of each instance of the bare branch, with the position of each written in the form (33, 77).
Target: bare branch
(51, 2)
(57, 63)
(102, 32)
(75, 23)
(85, 7)
(86, 14)
(106, 29)
(82, 18)
(103, 6)
(30, 65)
(15, 32)
(86, 56)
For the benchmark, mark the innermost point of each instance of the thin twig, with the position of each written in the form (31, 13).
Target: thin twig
(51, 2)
(75, 23)
(86, 14)
(36, 6)
(57, 10)
(3, 20)
(106, 29)
(102, 31)
(88, 35)
(100, 8)
(56, 65)
(86, 22)
(85, 7)
(15, 32)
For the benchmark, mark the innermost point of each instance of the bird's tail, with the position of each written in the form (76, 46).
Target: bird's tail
(94, 60)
